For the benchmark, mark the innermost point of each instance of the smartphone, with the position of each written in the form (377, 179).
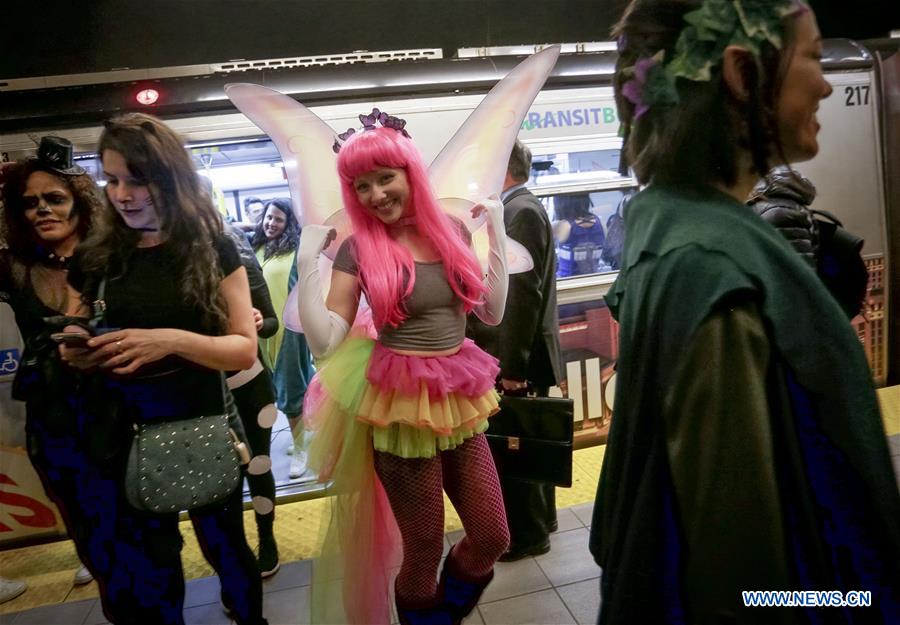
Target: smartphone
(71, 339)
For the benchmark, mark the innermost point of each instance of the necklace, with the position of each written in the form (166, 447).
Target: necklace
(52, 261)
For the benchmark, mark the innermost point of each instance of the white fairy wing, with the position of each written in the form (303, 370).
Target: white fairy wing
(304, 142)
(291, 313)
(473, 163)
(518, 259)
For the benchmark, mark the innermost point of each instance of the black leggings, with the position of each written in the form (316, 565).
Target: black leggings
(154, 594)
(255, 400)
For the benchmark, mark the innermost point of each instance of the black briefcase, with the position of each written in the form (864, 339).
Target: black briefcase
(531, 439)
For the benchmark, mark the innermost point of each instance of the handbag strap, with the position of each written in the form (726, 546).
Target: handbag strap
(99, 305)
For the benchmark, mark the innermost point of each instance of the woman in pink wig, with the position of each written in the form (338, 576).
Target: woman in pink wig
(401, 417)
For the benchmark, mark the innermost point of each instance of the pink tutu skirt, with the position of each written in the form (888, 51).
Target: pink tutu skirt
(416, 405)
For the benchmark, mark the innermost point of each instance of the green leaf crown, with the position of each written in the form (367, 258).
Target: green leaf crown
(715, 25)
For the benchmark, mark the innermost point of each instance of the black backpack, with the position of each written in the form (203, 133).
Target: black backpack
(840, 264)
(615, 235)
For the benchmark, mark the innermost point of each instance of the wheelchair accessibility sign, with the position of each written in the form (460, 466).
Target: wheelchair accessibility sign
(9, 362)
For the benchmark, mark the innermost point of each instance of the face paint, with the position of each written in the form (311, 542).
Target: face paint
(129, 196)
(49, 207)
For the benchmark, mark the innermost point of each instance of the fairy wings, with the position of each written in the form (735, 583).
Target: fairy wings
(470, 167)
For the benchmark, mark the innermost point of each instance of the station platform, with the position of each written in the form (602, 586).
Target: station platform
(560, 587)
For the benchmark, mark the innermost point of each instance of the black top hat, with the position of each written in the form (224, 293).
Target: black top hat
(56, 153)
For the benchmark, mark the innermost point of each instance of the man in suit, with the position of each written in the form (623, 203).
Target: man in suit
(527, 344)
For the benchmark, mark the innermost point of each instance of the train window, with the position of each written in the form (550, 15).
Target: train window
(241, 169)
(587, 230)
(553, 168)
(560, 168)
(91, 164)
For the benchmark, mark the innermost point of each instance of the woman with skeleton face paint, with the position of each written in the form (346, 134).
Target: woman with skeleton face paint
(49, 205)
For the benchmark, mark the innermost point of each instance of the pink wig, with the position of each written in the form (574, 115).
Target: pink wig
(384, 264)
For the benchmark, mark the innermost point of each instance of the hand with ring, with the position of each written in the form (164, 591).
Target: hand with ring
(125, 351)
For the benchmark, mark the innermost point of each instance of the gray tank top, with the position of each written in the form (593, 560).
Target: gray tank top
(436, 320)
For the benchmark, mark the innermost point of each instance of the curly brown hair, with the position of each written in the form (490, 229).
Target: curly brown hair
(155, 155)
(20, 236)
(287, 242)
(698, 141)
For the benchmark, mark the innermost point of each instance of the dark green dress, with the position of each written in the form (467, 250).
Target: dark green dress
(747, 449)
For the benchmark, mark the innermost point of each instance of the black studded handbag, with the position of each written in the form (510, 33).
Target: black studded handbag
(185, 464)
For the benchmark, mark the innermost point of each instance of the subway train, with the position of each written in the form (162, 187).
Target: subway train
(573, 131)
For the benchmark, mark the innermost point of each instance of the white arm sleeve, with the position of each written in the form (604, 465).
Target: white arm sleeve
(491, 309)
(324, 329)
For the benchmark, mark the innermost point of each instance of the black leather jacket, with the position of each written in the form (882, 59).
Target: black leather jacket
(782, 198)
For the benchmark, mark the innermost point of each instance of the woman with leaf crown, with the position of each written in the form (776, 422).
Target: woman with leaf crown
(747, 451)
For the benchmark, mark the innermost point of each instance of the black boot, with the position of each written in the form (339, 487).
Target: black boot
(430, 612)
(461, 591)
(268, 549)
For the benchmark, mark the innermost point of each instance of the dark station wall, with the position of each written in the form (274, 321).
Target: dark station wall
(100, 35)
(42, 38)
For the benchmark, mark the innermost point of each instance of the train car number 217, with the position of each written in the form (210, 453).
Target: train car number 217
(857, 95)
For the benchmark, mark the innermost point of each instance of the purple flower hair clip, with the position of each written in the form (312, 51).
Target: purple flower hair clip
(633, 90)
(651, 85)
(368, 122)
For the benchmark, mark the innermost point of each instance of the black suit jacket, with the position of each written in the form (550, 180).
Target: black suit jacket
(527, 340)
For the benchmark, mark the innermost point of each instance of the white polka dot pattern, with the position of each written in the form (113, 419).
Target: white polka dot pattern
(263, 505)
(259, 465)
(266, 417)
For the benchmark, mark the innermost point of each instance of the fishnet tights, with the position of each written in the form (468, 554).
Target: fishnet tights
(413, 487)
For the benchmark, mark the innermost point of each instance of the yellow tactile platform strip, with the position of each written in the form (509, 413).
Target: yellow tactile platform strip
(890, 408)
(49, 568)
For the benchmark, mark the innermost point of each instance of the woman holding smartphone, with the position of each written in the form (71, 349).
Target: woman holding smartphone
(49, 204)
(174, 285)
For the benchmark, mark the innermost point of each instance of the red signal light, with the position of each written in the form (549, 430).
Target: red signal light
(147, 97)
